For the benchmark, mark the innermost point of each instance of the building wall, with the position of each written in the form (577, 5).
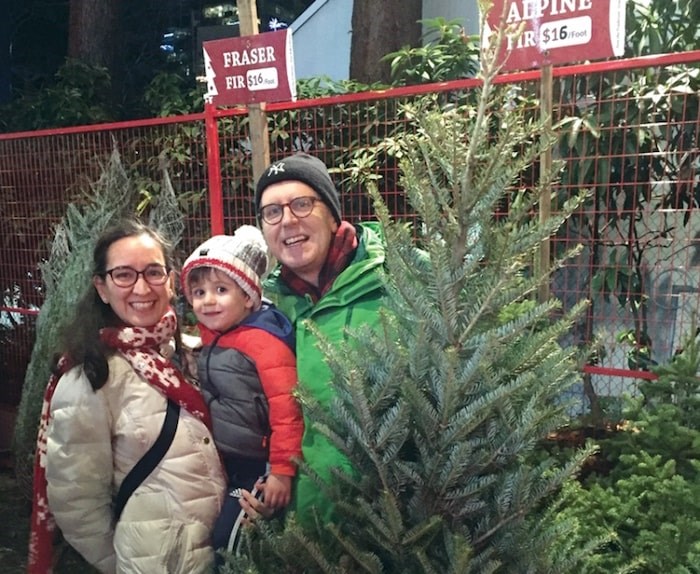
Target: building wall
(321, 38)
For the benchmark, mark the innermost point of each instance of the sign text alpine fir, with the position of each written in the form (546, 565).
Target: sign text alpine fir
(557, 31)
(569, 32)
(519, 10)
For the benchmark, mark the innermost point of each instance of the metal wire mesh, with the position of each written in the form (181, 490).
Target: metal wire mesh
(632, 146)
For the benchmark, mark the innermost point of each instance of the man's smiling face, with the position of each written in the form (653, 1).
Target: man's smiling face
(301, 244)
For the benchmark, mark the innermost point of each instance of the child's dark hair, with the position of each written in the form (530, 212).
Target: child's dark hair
(198, 274)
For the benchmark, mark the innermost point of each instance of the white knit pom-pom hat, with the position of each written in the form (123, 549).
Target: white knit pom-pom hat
(242, 256)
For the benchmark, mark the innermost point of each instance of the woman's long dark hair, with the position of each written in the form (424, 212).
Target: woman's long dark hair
(79, 339)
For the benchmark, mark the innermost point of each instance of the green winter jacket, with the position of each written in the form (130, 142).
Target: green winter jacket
(352, 301)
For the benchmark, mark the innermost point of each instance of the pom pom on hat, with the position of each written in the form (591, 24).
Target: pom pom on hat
(306, 169)
(242, 256)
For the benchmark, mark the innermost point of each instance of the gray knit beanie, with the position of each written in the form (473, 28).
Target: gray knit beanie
(306, 169)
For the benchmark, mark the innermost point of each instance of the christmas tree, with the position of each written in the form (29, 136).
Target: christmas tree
(442, 411)
(67, 273)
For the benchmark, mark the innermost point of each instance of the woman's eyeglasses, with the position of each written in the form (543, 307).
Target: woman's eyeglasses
(301, 207)
(125, 276)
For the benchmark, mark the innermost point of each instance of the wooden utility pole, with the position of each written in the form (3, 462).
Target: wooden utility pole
(260, 142)
(543, 263)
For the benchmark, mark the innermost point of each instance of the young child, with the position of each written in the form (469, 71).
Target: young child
(247, 370)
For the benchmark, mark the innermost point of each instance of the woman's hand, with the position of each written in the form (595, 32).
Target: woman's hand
(253, 507)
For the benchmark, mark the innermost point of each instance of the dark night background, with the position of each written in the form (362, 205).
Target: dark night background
(158, 35)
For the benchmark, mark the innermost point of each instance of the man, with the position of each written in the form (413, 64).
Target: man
(328, 273)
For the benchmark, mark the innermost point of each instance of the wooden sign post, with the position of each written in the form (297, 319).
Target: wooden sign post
(544, 33)
(251, 69)
(248, 17)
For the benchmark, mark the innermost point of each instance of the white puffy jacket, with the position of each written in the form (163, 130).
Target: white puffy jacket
(94, 439)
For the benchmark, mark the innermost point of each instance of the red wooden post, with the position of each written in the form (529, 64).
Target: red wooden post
(216, 198)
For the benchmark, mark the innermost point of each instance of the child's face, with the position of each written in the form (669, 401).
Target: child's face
(218, 302)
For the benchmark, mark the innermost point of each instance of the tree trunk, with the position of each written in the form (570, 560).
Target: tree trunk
(94, 32)
(5, 62)
(379, 28)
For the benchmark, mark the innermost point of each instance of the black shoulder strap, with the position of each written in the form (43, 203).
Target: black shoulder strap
(148, 461)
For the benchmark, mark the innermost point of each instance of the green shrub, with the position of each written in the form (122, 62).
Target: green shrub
(170, 94)
(649, 503)
(81, 94)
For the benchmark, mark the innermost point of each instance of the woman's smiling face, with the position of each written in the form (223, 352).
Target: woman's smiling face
(301, 244)
(141, 304)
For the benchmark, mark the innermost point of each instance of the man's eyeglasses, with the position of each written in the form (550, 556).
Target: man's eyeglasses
(301, 207)
(125, 276)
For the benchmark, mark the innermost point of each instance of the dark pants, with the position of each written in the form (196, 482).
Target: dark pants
(242, 473)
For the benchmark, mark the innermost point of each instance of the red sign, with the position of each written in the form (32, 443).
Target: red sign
(542, 32)
(250, 69)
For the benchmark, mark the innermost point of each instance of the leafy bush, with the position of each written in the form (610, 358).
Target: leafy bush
(447, 53)
(650, 500)
(170, 94)
(81, 95)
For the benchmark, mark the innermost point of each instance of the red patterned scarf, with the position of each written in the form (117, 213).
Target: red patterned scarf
(341, 251)
(141, 347)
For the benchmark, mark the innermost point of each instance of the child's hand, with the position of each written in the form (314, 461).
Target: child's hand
(277, 490)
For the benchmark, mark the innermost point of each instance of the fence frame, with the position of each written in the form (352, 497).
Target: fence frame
(211, 117)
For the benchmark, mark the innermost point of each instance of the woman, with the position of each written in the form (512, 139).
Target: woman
(106, 408)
